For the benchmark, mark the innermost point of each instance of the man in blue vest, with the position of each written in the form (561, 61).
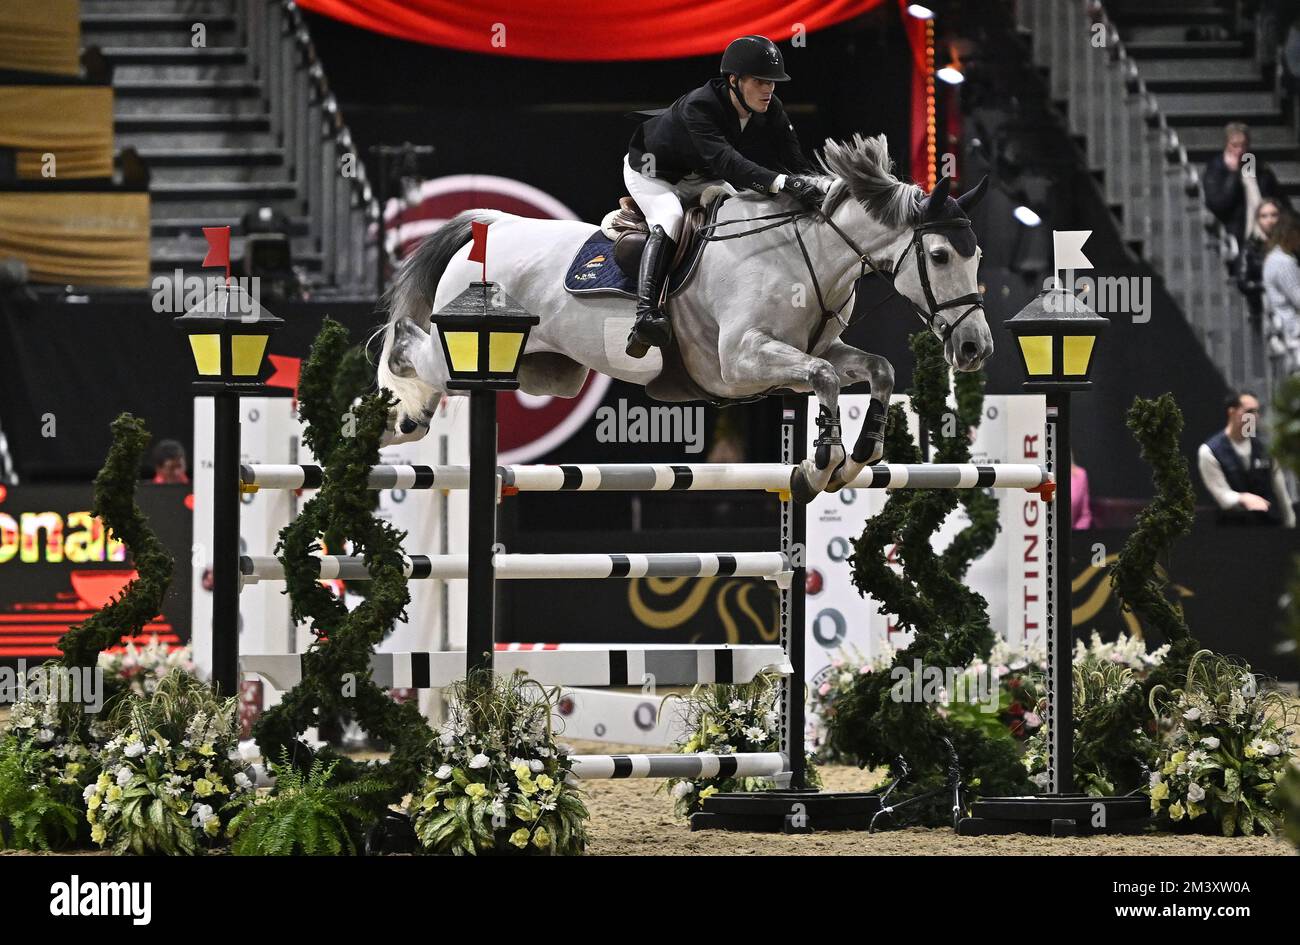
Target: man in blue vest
(1235, 466)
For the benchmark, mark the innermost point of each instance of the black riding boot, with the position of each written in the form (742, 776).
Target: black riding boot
(652, 325)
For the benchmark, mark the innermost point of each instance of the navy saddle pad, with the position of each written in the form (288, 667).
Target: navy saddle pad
(593, 270)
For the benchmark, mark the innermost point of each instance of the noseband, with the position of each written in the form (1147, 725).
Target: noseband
(972, 300)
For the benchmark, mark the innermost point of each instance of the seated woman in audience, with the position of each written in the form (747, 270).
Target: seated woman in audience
(1282, 289)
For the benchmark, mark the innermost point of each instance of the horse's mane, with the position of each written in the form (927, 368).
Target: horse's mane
(862, 168)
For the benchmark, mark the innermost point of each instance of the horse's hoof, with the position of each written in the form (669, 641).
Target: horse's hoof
(637, 349)
(801, 489)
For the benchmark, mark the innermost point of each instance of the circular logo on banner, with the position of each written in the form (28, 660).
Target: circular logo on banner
(829, 628)
(530, 426)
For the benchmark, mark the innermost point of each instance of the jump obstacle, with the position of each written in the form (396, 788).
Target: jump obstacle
(657, 477)
(609, 666)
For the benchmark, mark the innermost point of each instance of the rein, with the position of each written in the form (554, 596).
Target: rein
(973, 300)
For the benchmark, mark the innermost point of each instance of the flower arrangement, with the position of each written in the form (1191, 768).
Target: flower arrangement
(846, 665)
(42, 774)
(725, 720)
(497, 779)
(169, 772)
(138, 668)
(1129, 651)
(1229, 749)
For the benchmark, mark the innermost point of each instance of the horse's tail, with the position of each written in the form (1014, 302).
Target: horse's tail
(409, 302)
(412, 290)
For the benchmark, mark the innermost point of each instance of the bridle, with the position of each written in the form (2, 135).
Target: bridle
(972, 300)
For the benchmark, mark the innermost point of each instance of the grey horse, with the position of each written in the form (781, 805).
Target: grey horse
(763, 311)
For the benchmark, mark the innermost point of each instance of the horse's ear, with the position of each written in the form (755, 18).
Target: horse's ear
(934, 202)
(968, 200)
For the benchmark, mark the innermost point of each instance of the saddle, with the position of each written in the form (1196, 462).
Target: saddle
(628, 228)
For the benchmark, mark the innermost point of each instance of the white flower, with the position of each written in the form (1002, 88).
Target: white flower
(755, 734)
(681, 789)
(1195, 793)
(89, 792)
(134, 749)
(536, 766)
(480, 761)
(243, 781)
(1155, 778)
(1272, 749)
(202, 814)
(737, 705)
(123, 776)
(1210, 742)
(45, 735)
(448, 739)
(443, 773)
(1192, 714)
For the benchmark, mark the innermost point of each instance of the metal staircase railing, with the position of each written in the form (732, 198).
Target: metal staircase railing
(1147, 173)
(318, 144)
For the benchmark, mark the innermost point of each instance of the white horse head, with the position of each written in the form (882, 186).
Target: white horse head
(935, 258)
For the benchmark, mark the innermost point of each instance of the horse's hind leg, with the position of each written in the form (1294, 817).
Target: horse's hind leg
(761, 360)
(854, 366)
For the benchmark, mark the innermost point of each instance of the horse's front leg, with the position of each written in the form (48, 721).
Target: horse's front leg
(759, 360)
(854, 366)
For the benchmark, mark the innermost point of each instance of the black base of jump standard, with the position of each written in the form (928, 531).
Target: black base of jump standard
(787, 811)
(1056, 815)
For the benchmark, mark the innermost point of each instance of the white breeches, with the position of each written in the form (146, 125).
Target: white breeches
(660, 201)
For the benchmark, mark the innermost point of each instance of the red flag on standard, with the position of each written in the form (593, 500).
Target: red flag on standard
(478, 252)
(218, 238)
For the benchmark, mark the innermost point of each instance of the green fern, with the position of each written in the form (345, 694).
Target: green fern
(306, 816)
(33, 815)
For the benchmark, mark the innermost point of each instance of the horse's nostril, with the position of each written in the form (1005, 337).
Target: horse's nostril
(408, 425)
(969, 350)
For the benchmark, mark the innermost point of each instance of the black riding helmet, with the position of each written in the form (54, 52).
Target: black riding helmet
(752, 55)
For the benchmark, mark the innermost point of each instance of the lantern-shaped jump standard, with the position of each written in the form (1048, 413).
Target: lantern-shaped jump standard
(482, 332)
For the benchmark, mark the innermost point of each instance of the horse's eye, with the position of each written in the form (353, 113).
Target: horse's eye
(940, 256)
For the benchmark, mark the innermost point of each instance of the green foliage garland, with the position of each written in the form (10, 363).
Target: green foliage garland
(336, 669)
(949, 620)
(115, 506)
(1112, 740)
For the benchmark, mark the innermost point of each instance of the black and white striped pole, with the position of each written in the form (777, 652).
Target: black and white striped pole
(482, 332)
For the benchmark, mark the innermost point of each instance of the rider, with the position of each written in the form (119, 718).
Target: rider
(732, 128)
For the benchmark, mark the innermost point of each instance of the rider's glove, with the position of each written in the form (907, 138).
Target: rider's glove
(806, 190)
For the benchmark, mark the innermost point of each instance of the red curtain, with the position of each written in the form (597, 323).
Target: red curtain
(587, 30)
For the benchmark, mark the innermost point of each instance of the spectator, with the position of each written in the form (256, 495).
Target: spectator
(169, 464)
(1250, 265)
(1080, 503)
(1236, 468)
(1236, 184)
(1281, 279)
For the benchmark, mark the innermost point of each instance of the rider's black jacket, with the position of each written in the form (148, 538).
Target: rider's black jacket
(701, 132)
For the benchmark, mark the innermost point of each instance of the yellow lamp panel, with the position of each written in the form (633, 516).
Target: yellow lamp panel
(246, 354)
(1076, 352)
(207, 353)
(1037, 350)
(462, 348)
(503, 351)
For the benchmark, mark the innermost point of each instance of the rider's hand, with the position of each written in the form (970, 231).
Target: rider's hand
(805, 190)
